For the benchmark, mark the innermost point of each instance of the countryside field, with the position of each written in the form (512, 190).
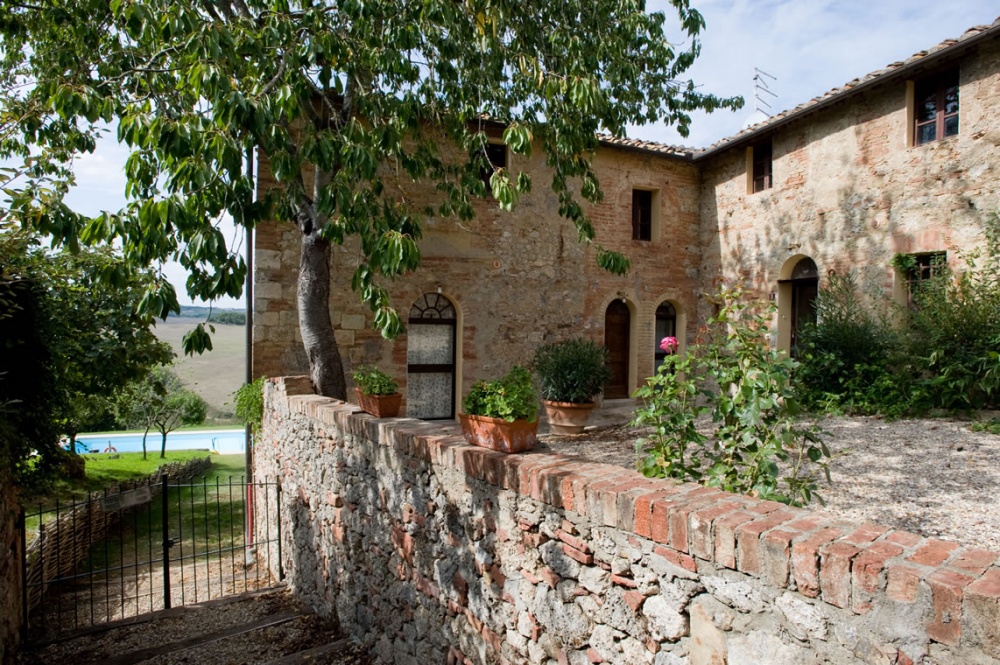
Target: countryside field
(214, 375)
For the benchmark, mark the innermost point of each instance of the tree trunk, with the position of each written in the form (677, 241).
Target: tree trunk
(325, 367)
(163, 444)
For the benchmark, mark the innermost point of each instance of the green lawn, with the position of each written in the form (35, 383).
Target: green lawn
(106, 471)
(206, 518)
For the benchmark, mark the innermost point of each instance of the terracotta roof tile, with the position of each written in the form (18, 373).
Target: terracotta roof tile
(851, 85)
(888, 70)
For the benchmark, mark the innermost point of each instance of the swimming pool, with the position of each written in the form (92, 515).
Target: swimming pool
(224, 441)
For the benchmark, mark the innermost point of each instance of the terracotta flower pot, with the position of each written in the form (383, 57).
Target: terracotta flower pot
(499, 434)
(567, 417)
(380, 406)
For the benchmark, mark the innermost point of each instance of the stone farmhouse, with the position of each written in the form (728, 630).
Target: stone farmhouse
(905, 160)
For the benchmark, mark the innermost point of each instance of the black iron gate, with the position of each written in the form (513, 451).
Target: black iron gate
(149, 548)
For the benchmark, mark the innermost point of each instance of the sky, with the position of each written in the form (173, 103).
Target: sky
(808, 46)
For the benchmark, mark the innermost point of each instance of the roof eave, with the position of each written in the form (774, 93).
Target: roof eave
(953, 51)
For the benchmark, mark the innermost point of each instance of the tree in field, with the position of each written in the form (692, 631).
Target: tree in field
(346, 99)
(161, 402)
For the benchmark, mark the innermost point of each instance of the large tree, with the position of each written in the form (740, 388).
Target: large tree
(71, 336)
(345, 98)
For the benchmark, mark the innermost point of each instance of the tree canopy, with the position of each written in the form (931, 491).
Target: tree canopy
(344, 98)
(159, 401)
(71, 336)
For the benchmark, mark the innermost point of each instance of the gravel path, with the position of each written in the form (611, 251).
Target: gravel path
(933, 477)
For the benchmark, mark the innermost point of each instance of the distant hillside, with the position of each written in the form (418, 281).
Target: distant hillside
(216, 374)
(236, 317)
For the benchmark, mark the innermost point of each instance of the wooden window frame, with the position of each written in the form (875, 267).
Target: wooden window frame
(937, 86)
(643, 201)
(761, 166)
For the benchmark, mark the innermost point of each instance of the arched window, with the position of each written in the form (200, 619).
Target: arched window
(430, 358)
(666, 326)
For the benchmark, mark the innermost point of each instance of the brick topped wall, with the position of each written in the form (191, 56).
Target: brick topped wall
(434, 551)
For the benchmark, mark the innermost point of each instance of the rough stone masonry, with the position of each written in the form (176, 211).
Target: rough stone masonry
(434, 551)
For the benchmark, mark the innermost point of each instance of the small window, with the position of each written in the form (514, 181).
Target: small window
(496, 156)
(642, 214)
(918, 269)
(761, 167)
(935, 107)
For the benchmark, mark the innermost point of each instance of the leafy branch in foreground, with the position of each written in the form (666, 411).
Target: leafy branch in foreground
(349, 103)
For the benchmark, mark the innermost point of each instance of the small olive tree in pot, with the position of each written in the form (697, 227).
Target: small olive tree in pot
(571, 374)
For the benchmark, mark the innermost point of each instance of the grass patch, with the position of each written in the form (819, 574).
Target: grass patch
(206, 519)
(106, 471)
(991, 426)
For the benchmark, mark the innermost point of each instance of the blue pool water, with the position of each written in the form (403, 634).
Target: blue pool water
(225, 442)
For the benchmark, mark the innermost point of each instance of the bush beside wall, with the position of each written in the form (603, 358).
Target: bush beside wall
(435, 551)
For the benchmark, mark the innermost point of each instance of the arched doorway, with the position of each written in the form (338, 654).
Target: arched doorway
(430, 358)
(798, 306)
(617, 330)
(666, 326)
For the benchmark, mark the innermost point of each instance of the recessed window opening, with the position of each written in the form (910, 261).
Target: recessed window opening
(642, 214)
(935, 107)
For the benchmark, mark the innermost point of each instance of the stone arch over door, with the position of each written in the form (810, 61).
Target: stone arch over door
(797, 291)
(618, 341)
(431, 353)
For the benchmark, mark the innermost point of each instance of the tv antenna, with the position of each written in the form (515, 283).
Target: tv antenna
(760, 86)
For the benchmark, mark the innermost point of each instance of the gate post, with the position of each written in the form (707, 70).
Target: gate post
(23, 528)
(165, 515)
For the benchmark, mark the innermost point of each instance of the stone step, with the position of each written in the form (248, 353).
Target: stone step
(134, 657)
(316, 654)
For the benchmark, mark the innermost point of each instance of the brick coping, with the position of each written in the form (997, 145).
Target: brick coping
(841, 563)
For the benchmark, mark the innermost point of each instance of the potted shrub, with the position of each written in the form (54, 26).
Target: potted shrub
(571, 374)
(377, 392)
(503, 414)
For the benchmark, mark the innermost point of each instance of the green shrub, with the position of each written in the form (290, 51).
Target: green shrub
(954, 331)
(249, 400)
(511, 397)
(373, 381)
(941, 352)
(850, 359)
(573, 370)
(757, 446)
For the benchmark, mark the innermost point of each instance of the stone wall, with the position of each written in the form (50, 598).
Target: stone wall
(434, 551)
(517, 279)
(850, 191)
(10, 573)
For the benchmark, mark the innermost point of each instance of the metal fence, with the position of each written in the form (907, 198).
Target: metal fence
(149, 548)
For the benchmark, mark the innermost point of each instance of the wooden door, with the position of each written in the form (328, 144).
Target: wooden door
(804, 292)
(617, 324)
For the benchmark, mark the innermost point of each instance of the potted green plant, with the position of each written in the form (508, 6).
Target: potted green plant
(502, 414)
(377, 392)
(571, 374)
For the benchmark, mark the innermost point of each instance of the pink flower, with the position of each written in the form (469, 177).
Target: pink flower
(669, 344)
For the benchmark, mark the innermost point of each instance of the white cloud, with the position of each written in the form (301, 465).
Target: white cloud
(811, 46)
